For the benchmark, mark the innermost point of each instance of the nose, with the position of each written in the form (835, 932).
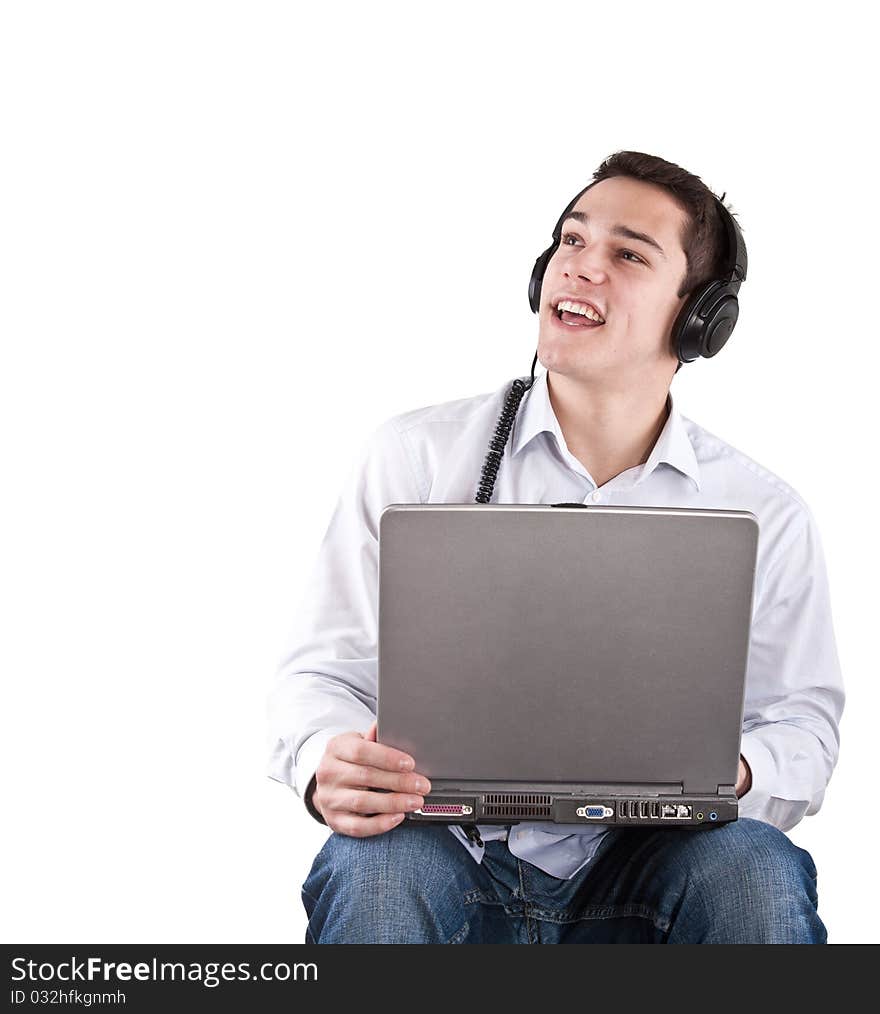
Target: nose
(586, 263)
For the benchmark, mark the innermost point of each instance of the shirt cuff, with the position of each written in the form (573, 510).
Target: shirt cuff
(754, 803)
(308, 758)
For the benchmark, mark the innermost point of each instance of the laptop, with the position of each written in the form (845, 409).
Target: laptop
(566, 663)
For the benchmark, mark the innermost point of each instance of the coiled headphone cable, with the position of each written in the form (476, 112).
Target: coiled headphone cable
(489, 473)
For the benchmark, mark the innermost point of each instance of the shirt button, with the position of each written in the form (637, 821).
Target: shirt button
(596, 497)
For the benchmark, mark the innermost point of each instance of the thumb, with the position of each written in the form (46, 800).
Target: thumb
(370, 734)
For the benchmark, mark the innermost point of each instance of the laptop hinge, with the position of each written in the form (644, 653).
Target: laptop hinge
(726, 790)
(441, 785)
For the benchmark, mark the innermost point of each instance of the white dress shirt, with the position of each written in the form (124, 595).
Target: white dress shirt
(326, 683)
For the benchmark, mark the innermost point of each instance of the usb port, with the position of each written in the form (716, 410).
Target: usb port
(655, 809)
(643, 809)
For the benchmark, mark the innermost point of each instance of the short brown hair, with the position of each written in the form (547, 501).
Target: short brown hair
(704, 237)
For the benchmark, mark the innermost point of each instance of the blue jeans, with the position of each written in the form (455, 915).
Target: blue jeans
(744, 882)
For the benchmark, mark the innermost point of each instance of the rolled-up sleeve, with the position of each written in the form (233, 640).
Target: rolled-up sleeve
(326, 682)
(794, 688)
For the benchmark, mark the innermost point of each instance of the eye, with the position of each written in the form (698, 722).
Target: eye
(570, 235)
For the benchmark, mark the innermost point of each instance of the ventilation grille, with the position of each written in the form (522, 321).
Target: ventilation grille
(503, 804)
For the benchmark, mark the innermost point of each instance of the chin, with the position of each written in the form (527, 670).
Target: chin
(568, 358)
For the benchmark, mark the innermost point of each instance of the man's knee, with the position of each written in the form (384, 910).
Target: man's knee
(404, 885)
(755, 884)
(412, 853)
(759, 855)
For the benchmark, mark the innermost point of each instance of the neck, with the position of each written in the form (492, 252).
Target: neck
(608, 431)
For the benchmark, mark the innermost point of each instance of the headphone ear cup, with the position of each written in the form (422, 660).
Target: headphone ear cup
(538, 277)
(705, 322)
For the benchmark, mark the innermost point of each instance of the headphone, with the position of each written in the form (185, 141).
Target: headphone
(707, 319)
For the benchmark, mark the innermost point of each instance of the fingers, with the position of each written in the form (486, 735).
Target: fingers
(364, 827)
(354, 765)
(339, 783)
(349, 760)
(354, 749)
(360, 812)
(361, 801)
(361, 776)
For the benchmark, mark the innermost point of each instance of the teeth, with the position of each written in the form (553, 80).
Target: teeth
(581, 308)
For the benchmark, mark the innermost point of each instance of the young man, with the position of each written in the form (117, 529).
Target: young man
(599, 426)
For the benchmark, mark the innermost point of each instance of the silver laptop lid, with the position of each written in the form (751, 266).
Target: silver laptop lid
(540, 644)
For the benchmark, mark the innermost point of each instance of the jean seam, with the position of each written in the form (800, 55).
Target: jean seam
(460, 935)
(526, 907)
(314, 901)
(631, 911)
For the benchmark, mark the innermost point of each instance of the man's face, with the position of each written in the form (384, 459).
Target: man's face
(633, 285)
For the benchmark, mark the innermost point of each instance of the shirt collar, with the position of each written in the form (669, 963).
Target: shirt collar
(673, 446)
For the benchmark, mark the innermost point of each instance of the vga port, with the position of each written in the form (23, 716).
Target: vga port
(594, 812)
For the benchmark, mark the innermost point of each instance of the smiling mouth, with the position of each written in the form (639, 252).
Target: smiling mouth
(575, 320)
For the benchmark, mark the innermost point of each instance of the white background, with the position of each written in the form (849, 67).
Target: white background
(235, 238)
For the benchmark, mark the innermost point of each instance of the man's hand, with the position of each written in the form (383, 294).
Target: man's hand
(743, 778)
(354, 764)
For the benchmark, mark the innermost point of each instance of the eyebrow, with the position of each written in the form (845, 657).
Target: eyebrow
(621, 230)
